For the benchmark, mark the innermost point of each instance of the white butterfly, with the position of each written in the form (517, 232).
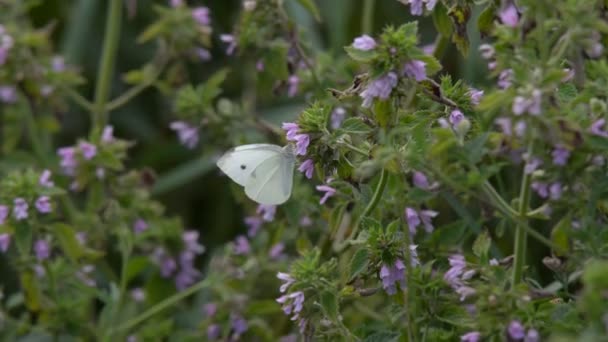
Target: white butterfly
(265, 170)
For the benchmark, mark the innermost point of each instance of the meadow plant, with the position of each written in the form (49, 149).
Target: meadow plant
(424, 207)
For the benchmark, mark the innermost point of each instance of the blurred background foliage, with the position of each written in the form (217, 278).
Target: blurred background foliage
(188, 182)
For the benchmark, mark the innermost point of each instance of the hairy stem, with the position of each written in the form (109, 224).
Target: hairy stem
(520, 232)
(106, 66)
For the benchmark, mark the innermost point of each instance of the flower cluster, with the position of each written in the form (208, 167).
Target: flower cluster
(293, 302)
(188, 135)
(186, 274)
(414, 219)
(457, 276)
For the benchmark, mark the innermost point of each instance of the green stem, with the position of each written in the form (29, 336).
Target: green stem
(78, 99)
(164, 305)
(354, 149)
(339, 245)
(497, 200)
(106, 67)
(410, 298)
(367, 19)
(520, 232)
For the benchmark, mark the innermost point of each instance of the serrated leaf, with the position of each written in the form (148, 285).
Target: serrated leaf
(360, 55)
(482, 244)
(368, 223)
(329, 304)
(442, 21)
(358, 263)
(566, 92)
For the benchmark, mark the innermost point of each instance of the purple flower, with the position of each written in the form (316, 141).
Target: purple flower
(176, 3)
(516, 330)
(337, 116)
(509, 16)
(380, 88)
(412, 219)
(138, 294)
(267, 212)
(454, 274)
(253, 224)
(505, 79)
(532, 164)
(555, 191)
(188, 135)
(292, 304)
(416, 6)
(276, 251)
(364, 43)
(420, 180)
(166, 263)
(472, 336)
(68, 160)
(259, 65)
(531, 105)
(43, 204)
(487, 51)
(597, 128)
(229, 39)
(5, 242)
(541, 189)
(415, 69)
(293, 83)
(107, 135)
(426, 216)
(307, 167)
(302, 142)
(291, 130)
(58, 64)
(241, 245)
(88, 150)
(532, 336)
(139, 226)
(329, 192)
(3, 55)
(187, 274)
(42, 249)
(391, 275)
(4, 210)
(85, 275)
(305, 221)
(505, 125)
(475, 96)
(20, 209)
(8, 94)
(203, 54)
(560, 155)
(214, 331)
(239, 324)
(455, 117)
(201, 15)
(190, 239)
(287, 281)
(45, 179)
(465, 292)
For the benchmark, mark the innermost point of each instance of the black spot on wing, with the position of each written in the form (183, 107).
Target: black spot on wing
(243, 167)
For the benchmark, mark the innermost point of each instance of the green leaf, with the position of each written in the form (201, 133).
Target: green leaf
(67, 239)
(382, 109)
(135, 266)
(358, 263)
(368, 223)
(559, 236)
(354, 126)
(485, 22)
(23, 237)
(482, 244)
(329, 304)
(566, 92)
(312, 8)
(442, 21)
(360, 55)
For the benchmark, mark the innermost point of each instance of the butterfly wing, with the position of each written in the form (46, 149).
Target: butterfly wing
(271, 182)
(239, 162)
